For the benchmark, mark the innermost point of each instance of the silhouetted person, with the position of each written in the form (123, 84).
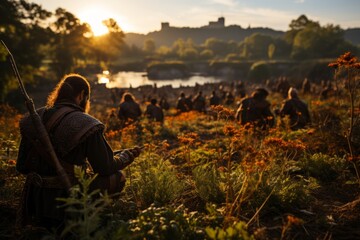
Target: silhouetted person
(326, 92)
(296, 110)
(113, 96)
(164, 103)
(306, 86)
(229, 98)
(256, 110)
(181, 104)
(112, 121)
(199, 102)
(214, 99)
(223, 94)
(154, 112)
(78, 140)
(283, 86)
(240, 89)
(129, 109)
(189, 102)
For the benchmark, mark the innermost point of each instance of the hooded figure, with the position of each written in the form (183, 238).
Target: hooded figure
(296, 110)
(256, 110)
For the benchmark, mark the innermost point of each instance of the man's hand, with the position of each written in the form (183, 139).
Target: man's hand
(127, 156)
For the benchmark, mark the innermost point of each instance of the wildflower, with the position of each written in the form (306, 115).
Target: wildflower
(221, 169)
(223, 111)
(269, 118)
(165, 145)
(316, 103)
(260, 163)
(346, 60)
(356, 65)
(12, 162)
(112, 134)
(333, 65)
(188, 139)
(217, 108)
(353, 158)
(311, 131)
(294, 220)
(146, 145)
(230, 129)
(285, 145)
(275, 141)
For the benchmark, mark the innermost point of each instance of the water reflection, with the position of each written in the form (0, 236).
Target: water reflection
(104, 77)
(136, 79)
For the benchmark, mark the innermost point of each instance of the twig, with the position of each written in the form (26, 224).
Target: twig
(262, 205)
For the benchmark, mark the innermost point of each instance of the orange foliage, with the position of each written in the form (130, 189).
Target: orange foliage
(283, 144)
(188, 139)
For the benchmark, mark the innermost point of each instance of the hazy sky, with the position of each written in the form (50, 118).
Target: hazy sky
(143, 16)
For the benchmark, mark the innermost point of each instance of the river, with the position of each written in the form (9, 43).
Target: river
(136, 79)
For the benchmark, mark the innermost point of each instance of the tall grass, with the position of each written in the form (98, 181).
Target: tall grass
(237, 181)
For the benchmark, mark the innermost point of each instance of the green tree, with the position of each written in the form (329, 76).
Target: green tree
(297, 25)
(309, 39)
(189, 54)
(271, 50)
(259, 72)
(109, 47)
(256, 46)
(282, 48)
(23, 28)
(304, 43)
(218, 47)
(149, 46)
(178, 47)
(164, 51)
(315, 41)
(206, 54)
(71, 38)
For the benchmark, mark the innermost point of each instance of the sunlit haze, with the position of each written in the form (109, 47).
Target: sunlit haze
(143, 16)
(95, 15)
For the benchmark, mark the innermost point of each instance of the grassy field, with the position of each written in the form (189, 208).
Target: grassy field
(204, 176)
(201, 177)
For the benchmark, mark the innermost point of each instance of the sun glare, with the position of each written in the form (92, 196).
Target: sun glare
(96, 14)
(94, 18)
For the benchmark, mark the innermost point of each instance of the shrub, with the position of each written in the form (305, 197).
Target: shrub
(207, 183)
(156, 182)
(323, 167)
(166, 223)
(84, 210)
(238, 231)
(293, 192)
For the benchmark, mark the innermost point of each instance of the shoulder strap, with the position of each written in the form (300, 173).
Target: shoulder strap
(52, 122)
(57, 116)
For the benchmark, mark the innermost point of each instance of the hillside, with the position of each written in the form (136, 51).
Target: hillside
(353, 35)
(167, 36)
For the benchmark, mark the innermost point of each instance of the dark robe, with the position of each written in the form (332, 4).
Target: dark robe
(129, 110)
(255, 111)
(77, 140)
(154, 113)
(297, 111)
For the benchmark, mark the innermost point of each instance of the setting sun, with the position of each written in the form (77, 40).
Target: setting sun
(94, 17)
(98, 27)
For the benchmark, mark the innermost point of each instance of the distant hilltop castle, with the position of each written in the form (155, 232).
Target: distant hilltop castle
(214, 29)
(220, 23)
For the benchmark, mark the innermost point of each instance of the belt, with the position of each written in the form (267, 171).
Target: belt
(47, 181)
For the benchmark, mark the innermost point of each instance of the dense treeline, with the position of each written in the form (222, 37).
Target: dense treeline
(305, 39)
(57, 41)
(50, 44)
